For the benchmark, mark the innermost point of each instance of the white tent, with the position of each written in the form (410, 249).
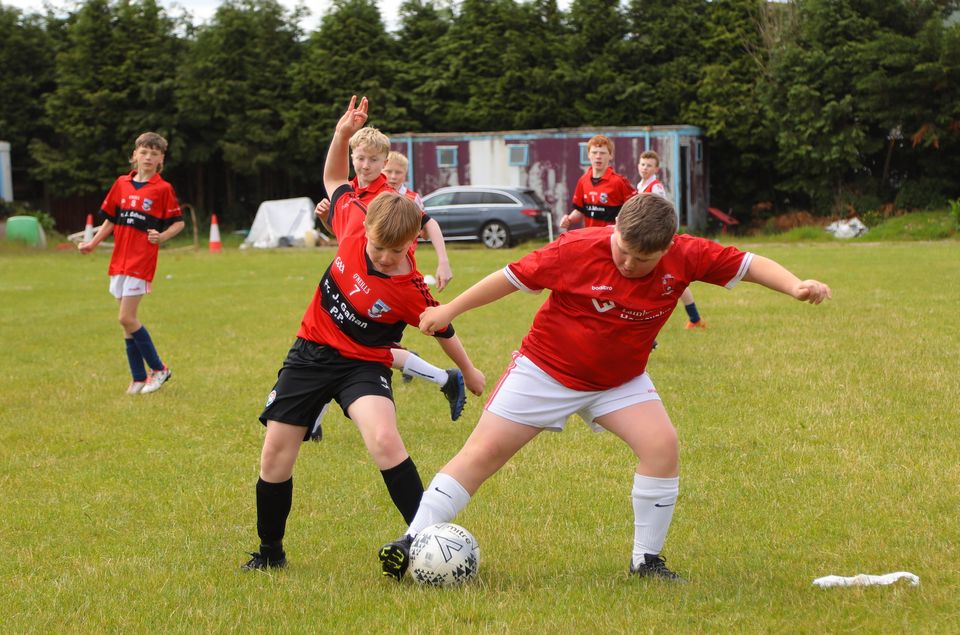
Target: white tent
(284, 222)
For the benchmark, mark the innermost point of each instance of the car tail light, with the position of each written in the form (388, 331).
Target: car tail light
(530, 211)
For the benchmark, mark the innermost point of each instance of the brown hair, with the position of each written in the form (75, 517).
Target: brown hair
(647, 223)
(600, 140)
(149, 140)
(650, 154)
(393, 220)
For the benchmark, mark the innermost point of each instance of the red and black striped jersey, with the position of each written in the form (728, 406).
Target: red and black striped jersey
(356, 309)
(600, 199)
(134, 211)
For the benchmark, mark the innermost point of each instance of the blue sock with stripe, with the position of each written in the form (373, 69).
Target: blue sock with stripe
(135, 359)
(147, 350)
(692, 312)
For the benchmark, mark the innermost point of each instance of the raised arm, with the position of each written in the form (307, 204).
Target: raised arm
(337, 168)
(490, 289)
(773, 275)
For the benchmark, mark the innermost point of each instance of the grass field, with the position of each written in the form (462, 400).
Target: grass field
(814, 441)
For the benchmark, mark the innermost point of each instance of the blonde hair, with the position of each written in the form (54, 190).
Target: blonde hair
(650, 154)
(647, 223)
(399, 159)
(150, 140)
(600, 140)
(393, 220)
(372, 138)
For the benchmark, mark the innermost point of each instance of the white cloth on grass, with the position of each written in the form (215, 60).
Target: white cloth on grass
(863, 579)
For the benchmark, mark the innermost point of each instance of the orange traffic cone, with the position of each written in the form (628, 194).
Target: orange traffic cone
(215, 245)
(88, 230)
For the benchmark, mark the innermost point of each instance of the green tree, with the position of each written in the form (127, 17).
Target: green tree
(595, 61)
(113, 80)
(26, 74)
(232, 88)
(350, 54)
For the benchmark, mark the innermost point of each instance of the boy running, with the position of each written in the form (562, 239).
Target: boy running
(370, 291)
(627, 282)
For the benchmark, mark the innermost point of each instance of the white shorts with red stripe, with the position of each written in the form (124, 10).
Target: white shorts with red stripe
(525, 394)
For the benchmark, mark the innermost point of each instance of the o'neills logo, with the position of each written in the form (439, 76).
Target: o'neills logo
(601, 287)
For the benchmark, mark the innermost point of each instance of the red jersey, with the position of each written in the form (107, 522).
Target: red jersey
(356, 309)
(413, 196)
(597, 328)
(366, 194)
(653, 186)
(133, 212)
(600, 200)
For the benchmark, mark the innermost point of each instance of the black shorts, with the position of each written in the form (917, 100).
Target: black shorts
(312, 375)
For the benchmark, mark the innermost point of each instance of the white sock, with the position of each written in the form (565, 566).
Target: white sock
(654, 500)
(416, 367)
(442, 501)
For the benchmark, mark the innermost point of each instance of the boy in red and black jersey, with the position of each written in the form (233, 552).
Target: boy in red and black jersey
(367, 295)
(141, 211)
(601, 191)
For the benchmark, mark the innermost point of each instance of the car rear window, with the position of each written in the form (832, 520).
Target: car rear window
(531, 197)
(495, 198)
(468, 198)
(440, 200)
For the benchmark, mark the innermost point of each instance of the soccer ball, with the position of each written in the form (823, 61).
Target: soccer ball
(444, 555)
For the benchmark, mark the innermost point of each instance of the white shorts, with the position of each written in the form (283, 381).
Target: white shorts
(525, 394)
(125, 286)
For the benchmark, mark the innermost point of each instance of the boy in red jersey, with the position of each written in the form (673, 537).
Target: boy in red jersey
(141, 211)
(649, 168)
(369, 154)
(622, 292)
(366, 297)
(395, 171)
(600, 192)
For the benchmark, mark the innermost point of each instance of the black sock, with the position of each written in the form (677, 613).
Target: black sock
(405, 487)
(273, 506)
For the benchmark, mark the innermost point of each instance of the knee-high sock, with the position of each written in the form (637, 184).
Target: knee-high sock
(692, 312)
(135, 360)
(418, 367)
(405, 487)
(654, 500)
(147, 349)
(441, 503)
(273, 506)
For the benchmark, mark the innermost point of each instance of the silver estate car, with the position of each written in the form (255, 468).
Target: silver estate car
(497, 216)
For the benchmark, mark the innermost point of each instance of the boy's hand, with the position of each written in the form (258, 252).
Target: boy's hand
(153, 237)
(434, 319)
(85, 248)
(474, 380)
(444, 275)
(323, 209)
(354, 118)
(811, 291)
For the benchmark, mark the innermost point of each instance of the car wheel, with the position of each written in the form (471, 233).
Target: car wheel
(495, 235)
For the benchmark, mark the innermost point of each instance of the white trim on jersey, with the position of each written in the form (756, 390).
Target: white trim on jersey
(512, 278)
(742, 271)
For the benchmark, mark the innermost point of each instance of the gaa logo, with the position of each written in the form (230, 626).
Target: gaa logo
(270, 398)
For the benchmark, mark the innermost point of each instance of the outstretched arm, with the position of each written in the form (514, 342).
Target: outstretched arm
(773, 275)
(337, 169)
(490, 289)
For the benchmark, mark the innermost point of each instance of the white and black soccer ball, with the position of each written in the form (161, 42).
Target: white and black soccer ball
(444, 555)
